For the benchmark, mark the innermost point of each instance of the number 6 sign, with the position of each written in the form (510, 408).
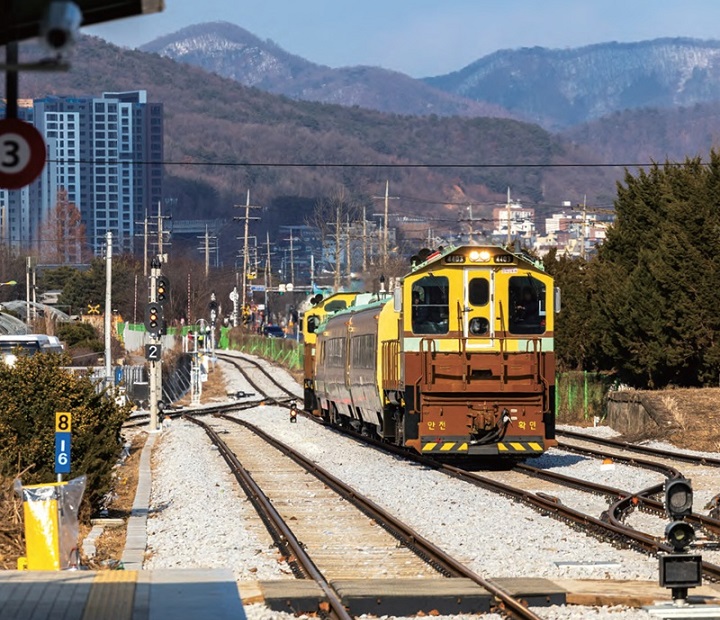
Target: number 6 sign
(22, 153)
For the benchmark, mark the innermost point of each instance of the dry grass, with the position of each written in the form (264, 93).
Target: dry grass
(697, 413)
(12, 543)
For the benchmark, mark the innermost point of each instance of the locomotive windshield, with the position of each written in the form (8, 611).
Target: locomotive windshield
(430, 307)
(527, 305)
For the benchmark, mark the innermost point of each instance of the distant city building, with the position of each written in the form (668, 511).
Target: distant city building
(106, 153)
(518, 219)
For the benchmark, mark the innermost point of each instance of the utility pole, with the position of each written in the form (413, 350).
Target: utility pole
(108, 308)
(292, 258)
(364, 244)
(268, 272)
(388, 198)
(247, 219)
(145, 250)
(347, 250)
(583, 229)
(207, 252)
(206, 249)
(509, 232)
(336, 280)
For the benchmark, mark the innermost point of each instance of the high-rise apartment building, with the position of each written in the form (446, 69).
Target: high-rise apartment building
(105, 155)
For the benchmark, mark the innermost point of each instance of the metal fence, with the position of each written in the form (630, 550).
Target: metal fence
(288, 353)
(581, 395)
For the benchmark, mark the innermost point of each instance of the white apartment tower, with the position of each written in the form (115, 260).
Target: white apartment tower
(106, 153)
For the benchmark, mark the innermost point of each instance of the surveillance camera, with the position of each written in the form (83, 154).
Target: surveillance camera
(60, 24)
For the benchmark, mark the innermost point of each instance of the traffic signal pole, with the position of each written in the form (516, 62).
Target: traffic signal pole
(156, 320)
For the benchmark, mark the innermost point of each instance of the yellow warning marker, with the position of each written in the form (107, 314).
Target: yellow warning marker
(607, 464)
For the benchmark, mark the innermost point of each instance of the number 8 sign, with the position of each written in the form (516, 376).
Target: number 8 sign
(22, 153)
(63, 441)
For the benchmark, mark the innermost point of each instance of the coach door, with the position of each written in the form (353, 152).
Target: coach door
(478, 310)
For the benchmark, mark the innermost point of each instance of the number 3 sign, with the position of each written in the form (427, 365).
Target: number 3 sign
(22, 153)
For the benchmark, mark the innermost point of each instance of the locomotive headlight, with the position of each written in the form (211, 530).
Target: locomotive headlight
(479, 256)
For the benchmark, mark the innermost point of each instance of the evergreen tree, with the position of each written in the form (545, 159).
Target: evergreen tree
(656, 303)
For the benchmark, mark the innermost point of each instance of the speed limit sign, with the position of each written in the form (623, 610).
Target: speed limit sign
(22, 153)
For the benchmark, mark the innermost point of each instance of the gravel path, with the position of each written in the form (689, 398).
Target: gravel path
(198, 512)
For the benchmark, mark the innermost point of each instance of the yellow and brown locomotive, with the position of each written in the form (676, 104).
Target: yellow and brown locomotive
(457, 361)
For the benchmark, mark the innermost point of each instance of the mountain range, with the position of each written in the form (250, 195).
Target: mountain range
(440, 151)
(556, 89)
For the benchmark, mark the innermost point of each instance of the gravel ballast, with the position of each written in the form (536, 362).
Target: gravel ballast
(198, 511)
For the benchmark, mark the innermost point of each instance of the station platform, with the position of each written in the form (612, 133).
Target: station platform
(177, 594)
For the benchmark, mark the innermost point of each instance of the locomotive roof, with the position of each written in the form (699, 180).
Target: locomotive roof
(374, 302)
(442, 252)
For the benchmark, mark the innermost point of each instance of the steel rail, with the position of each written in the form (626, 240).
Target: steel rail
(624, 445)
(278, 524)
(408, 536)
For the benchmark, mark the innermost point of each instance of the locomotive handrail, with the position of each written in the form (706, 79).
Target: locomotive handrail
(424, 371)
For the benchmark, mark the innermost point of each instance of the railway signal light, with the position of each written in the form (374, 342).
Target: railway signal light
(153, 319)
(679, 570)
(678, 505)
(680, 534)
(163, 289)
(678, 498)
(293, 411)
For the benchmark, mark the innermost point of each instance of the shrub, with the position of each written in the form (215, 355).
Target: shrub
(31, 392)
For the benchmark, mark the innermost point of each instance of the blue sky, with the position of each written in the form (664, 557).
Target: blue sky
(427, 37)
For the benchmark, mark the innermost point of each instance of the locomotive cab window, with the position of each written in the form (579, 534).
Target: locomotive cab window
(478, 296)
(478, 291)
(336, 305)
(430, 305)
(527, 305)
(312, 323)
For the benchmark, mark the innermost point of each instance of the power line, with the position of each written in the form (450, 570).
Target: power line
(241, 164)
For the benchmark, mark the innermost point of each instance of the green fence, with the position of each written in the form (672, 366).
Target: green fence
(580, 395)
(288, 353)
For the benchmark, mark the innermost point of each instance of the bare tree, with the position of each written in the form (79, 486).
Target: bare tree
(328, 217)
(62, 239)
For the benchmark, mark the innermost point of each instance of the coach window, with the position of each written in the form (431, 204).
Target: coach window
(430, 306)
(363, 351)
(335, 352)
(527, 305)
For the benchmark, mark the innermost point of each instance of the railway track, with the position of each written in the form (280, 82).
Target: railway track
(602, 527)
(339, 542)
(671, 455)
(609, 526)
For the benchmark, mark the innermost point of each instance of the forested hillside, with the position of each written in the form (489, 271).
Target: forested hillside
(218, 121)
